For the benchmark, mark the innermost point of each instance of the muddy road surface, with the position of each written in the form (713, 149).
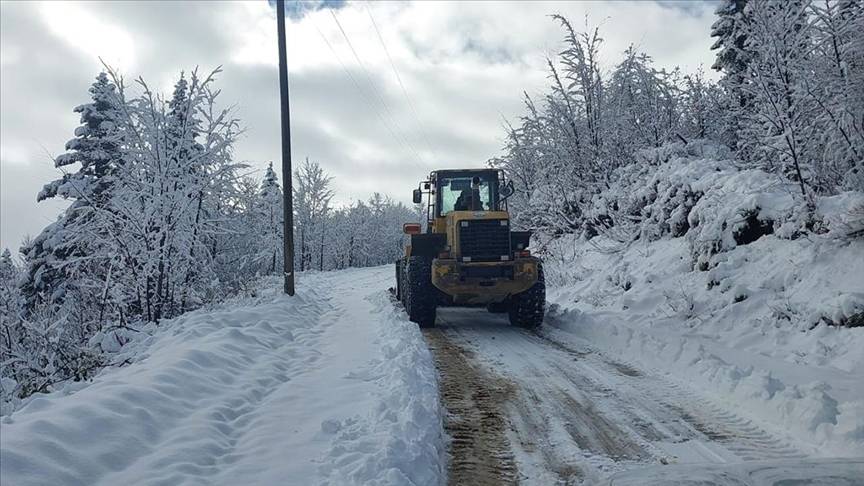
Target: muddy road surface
(525, 408)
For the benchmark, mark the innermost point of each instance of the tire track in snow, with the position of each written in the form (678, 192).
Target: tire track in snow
(705, 420)
(479, 450)
(575, 415)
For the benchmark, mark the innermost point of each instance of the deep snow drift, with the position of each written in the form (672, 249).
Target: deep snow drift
(332, 386)
(723, 290)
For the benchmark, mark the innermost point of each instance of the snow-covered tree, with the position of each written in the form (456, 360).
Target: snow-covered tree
(10, 303)
(733, 58)
(778, 124)
(269, 223)
(834, 81)
(62, 249)
(312, 195)
(731, 33)
(177, 181)
(702, 108)
(642, 105)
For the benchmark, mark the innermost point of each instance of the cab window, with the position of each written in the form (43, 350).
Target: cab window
(457, 194)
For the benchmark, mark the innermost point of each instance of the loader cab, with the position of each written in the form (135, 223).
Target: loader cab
(477, 190)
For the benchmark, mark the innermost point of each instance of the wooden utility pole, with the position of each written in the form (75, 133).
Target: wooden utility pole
(288, 186)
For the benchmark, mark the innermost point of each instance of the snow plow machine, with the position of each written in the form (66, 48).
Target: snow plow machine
(468, 256)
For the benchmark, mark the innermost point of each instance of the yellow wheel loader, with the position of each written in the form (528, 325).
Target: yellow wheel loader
(468, 256)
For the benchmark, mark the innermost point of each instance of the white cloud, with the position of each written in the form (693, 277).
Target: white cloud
(255, 41)
(84, 30)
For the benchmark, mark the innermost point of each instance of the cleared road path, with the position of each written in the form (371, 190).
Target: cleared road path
(524, 408)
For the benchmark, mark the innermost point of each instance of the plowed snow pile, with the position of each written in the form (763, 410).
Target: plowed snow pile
(726, 285)
(331, 386)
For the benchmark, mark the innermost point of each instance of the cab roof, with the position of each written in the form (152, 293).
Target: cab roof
(451, 172)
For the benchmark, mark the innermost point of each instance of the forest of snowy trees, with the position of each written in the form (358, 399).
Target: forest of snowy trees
(162, 219)
(790, 103)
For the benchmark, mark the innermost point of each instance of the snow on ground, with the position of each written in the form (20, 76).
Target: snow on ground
(574, 415)
(332, 386)
(751, 330)
(829, 472)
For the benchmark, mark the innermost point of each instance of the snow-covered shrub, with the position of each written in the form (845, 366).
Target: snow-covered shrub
(843, 214)
(738, 208)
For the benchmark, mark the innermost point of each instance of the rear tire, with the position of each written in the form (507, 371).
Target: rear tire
(527, 309)
(419, 291)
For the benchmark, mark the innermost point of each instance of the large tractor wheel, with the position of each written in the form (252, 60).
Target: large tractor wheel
(419, 291)
(527, 309)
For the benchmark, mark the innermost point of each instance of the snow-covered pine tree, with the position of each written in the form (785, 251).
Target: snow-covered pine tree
(733, 57)
(731, 33)
(268, 215)
(53, 256)
(96, 147)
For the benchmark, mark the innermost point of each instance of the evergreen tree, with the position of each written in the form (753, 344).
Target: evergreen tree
(733, 58)
(269, 218)
(731, 33)
(97, 148)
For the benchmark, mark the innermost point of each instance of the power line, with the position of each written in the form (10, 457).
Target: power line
(399, 79)
(381, 99)
(363, 92)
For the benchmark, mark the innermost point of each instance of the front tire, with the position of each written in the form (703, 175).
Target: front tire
(527, 308)
(419, 292)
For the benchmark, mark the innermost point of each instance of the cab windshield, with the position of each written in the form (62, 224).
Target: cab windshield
(458, 193)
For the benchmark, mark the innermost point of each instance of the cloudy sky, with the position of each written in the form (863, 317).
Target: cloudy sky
(463, 65)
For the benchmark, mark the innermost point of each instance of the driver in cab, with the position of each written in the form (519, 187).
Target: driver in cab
(469, 199)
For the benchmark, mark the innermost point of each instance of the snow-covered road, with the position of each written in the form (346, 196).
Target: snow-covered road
(558, 411)
(335, 386)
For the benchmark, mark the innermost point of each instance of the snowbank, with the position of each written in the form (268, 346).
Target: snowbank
(724, 288)
(329, 387)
